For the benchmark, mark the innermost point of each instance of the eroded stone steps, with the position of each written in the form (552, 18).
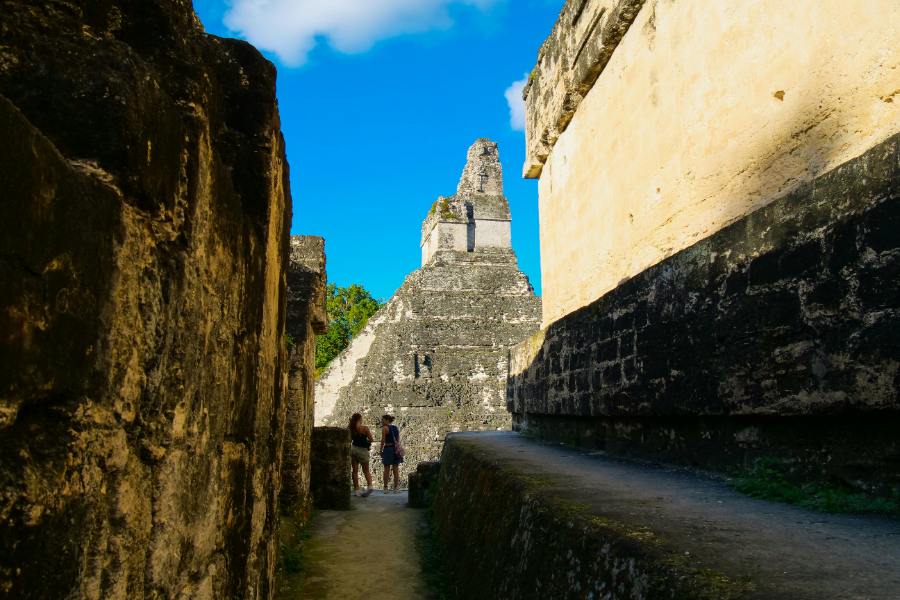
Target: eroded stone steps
(526, 520)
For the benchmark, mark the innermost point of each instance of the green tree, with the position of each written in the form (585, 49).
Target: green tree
(349, 309)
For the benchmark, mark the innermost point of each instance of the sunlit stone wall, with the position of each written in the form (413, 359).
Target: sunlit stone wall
(702, 113)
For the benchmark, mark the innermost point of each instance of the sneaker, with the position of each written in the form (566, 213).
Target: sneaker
(365, 493)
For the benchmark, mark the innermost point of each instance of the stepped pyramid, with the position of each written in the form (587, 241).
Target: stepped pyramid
(435, 355)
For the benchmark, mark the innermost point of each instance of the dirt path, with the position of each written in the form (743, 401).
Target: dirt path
(343, 560)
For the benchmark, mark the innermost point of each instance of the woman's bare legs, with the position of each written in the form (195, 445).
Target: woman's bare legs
(368, 474)
(355, 464)
(396, 470)
(386, 478)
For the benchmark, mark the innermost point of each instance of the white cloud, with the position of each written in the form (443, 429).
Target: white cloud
(291, 28)
(516, 104)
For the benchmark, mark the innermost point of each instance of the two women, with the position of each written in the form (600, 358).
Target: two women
(361, 439)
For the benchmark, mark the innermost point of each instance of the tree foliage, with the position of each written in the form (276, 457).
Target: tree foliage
(349, 309)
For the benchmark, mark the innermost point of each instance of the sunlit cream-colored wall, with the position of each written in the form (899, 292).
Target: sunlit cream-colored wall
(707, 110)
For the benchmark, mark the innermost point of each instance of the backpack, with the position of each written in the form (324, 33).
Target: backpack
(399, 450)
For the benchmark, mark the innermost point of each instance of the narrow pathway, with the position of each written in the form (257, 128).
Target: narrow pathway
(367, 552)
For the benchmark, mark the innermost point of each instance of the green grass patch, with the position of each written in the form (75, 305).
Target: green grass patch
(446, 212)
(767, 479)
(291, 559)
(292, 538)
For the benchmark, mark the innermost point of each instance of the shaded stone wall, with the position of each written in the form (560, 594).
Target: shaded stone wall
(306, 317)
(422, 484)
(144, 243)
(330, 478)
(780, 334)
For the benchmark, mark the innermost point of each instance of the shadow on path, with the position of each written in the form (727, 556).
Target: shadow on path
(367, 552)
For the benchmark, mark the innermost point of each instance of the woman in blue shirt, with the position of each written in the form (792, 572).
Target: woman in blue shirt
(390, 458)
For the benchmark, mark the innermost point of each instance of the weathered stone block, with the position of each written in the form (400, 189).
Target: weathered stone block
(569, 62)
(330, 471)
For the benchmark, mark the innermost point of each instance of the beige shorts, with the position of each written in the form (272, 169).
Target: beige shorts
(360, 455)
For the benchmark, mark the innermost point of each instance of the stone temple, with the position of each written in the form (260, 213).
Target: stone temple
(436, 354)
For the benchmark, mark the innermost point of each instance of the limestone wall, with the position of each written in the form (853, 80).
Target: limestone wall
(445, 236)
(493, 234)
(777, 337)
(653, 124)
(306, 317)
(144, 215)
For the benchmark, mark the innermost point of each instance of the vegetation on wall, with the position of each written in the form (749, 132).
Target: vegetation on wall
(349, 309)
(767, 479)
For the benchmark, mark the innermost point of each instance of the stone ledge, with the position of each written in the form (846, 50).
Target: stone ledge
(522, 520)
(569, 62)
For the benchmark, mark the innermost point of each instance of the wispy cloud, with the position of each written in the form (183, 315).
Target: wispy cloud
(516, 104)
(292, 28)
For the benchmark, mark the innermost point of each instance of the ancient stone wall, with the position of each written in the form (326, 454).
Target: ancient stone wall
(330, 473)
(144, 215)
(718, 187)
(652, 124)
(777, 336)
(435, 355)
(306, 317)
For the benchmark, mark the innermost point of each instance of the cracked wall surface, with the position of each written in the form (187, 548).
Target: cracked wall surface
(145, 220)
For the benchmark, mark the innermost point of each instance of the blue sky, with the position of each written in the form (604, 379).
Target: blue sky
(378, 106)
